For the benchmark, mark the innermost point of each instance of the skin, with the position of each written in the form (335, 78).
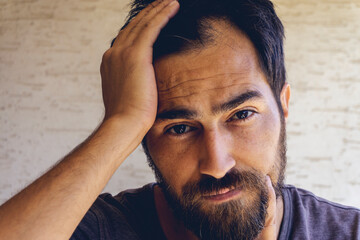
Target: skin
(48, 208)
(214, 143)
(52, 206)
(175, 230)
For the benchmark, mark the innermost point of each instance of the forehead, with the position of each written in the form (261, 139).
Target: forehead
(207, 76)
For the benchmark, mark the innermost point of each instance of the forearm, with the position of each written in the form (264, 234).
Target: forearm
(52, 206)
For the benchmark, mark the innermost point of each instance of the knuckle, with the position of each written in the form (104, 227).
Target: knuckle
(127, 52)
(157, 3)
(102, 69)
(106, 56)
(130, 54)
(161, 3)
(152, 5)
(147, 11)
(122, 55)
(146, 25)
(151, 24)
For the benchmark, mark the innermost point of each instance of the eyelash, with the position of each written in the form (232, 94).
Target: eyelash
(172, 132)
(250, 114)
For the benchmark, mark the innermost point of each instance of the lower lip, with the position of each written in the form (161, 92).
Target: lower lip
(223, 196)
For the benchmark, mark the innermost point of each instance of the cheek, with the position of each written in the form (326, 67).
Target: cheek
(256, 146)
(176, 160)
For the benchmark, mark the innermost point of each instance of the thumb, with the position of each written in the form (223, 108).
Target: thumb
(269, 231)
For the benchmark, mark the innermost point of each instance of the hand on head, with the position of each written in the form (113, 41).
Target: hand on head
(128, 76)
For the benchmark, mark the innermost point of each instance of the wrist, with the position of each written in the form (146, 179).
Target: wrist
(114, 140)
(139, 124)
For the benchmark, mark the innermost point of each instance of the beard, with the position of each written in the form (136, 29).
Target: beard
(242, 218)
(236, 219)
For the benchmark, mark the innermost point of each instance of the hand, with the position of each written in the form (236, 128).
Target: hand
(270, 232)
(127, 72)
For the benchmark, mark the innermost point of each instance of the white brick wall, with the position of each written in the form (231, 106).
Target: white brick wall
(50, 96)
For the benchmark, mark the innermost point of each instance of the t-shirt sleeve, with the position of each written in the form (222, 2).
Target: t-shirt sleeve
(88, 228)
(104, 221)
(307, 216)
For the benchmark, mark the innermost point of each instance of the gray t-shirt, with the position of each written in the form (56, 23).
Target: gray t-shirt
(132, 215)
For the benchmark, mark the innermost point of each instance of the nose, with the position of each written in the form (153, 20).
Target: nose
(215, 158)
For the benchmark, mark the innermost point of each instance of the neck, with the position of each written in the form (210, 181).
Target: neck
(175, 229)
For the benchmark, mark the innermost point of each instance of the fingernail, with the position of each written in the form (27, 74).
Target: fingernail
(268, 179)
(173, 2)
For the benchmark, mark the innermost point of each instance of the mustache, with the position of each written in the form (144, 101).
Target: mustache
(234, 179)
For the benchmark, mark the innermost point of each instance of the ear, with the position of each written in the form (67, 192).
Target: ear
(285, 99)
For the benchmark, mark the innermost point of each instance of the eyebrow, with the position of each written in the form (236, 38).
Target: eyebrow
(185, 113)
(180, 113)
(236, 101)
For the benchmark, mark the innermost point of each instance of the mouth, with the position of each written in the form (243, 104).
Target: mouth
(223, 195)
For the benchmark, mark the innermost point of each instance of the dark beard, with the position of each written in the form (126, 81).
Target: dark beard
(236, 219)
(242, 218)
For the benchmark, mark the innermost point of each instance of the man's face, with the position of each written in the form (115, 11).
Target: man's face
(219, 132)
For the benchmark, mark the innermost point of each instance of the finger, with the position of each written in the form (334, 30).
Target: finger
(152, 23)
(271, 210)
(133, 22)
(130, 28)
(151, 10)
(151, 30)
(269, 231)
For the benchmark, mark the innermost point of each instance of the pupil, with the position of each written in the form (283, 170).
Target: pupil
(243, 114)
(179, 129)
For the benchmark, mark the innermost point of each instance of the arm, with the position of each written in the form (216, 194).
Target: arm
(52, 206)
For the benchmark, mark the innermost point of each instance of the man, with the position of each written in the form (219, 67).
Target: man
(208, 99)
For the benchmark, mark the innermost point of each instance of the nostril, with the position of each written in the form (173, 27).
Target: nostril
(216, 167)
(215, 160)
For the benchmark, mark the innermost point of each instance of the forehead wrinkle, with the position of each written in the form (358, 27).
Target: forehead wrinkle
(200, 91)
(181, 77)
(195, 80)
(168, 76)
(167, 79)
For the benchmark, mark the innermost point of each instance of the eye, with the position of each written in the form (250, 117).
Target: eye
(180, 129)
(242, 115)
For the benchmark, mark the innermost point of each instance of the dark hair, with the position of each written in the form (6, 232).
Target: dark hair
(189, 30)
(256, 18)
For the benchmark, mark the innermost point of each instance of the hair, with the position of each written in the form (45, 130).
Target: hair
(189, 29)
